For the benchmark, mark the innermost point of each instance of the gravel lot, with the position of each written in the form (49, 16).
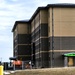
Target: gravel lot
(46, 71)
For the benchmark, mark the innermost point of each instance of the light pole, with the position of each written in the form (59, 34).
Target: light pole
(0, 60)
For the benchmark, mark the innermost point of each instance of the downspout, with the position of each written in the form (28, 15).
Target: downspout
(52, 54)
(39, 41)
(34, 44)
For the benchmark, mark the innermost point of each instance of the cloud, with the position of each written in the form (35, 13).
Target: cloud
(14, 0)
(66, 1)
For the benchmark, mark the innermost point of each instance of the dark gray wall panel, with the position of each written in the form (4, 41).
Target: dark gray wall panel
(63, 43)
(45, 59)
(44, 44)
(24, 38)
(24, 50)
(44, 29)
(58, 59)
(24, 58)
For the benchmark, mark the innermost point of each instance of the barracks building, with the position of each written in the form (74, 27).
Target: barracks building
(47, 39)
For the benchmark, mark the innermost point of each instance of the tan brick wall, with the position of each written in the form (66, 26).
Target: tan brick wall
(32, 26)
(22, 28)
(50, 22)
(37, 20)
(64, 21)
(43, 16)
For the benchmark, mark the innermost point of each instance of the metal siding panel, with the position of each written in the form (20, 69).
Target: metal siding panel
(44, 29)
(24, 38)
(44, 44)
(24, 50)
(63, 43)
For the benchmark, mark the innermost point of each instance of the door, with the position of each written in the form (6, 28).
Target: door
(70, 61)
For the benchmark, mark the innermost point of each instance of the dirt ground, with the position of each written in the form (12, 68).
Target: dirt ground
(46, 71)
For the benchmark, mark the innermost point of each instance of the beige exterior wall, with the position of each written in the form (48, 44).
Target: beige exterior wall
(32, 26)
(15, 33)
(37, 20)
(50, 22)
(64, 21)
(22, 28)
(64, 24)
(43, 16)
(35, 23)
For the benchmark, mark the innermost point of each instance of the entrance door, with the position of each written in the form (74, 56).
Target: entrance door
(70, 61)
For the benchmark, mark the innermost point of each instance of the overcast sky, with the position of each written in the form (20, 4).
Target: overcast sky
(12, 10)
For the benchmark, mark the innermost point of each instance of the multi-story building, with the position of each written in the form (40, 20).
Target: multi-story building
(22, 40)
(47, 36)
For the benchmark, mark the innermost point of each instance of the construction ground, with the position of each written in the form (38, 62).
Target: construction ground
(46, 71)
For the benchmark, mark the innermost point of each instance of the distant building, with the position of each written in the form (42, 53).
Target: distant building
(47, 36)
(22, 40)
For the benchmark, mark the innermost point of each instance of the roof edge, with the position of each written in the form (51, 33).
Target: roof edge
(61, 5)
(21, 21)
(42, 8)
(36, 12)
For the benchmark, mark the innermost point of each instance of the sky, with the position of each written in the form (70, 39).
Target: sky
(14, 10)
